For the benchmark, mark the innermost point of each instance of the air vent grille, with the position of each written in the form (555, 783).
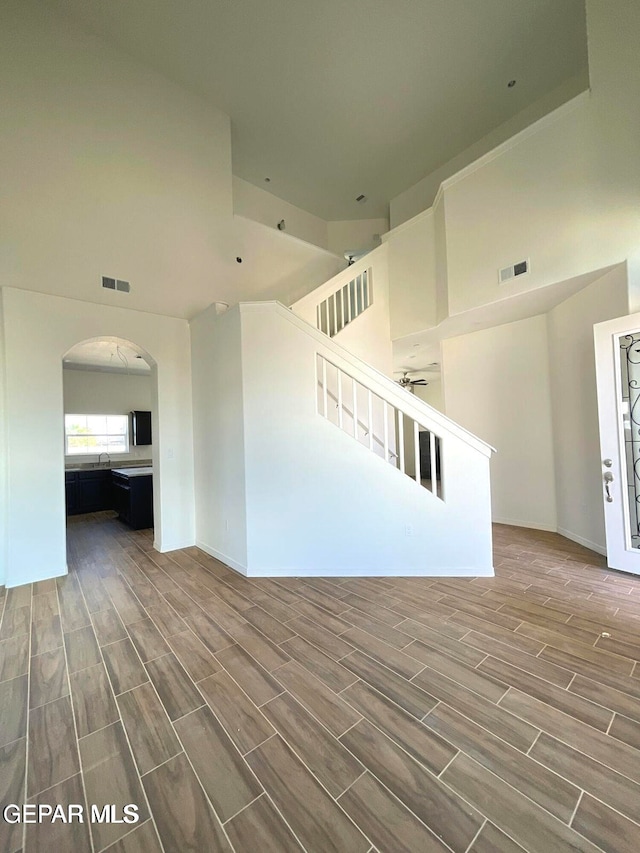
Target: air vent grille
(116, 284)
(514, 270)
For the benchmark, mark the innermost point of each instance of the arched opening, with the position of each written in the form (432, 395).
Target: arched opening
(110, 406)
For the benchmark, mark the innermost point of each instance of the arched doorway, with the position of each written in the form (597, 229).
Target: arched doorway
(110, 406)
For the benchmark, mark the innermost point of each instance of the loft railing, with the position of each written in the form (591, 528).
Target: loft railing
(345, 304)
(384, 427)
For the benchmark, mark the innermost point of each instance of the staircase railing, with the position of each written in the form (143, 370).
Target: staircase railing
(339, 301)
(345, 304)
(387, 429)
(363, 427)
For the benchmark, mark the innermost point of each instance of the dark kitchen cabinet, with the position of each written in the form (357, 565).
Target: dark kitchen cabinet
(133, 499)
(88, 491)
(71, 492)
(141, 428)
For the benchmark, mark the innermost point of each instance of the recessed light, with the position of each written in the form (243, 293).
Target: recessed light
(267, 180)
(511, 84)
(361, 197)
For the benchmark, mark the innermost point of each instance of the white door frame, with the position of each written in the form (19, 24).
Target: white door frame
(615, 494)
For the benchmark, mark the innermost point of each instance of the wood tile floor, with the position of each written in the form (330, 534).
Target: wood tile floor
(484, 715)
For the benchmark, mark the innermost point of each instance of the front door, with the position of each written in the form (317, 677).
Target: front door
(617, 349)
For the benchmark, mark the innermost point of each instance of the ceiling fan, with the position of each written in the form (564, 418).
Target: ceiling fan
(409, 384)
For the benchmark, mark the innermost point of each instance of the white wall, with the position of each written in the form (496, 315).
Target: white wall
(107, 168)
(355, 234)
(615, 83)
(421, 195)
(432, 394)
(94, 392)
(100, 392)
(574, 404)
(564, 192)
(318, 502)
(263, 206)
(496, 384)
(276, 265)
(219, 436)
(537, 199)
(412, 276)
(38, 330)
(4, 455)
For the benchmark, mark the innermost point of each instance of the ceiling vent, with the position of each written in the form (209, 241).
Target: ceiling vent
(116, 284)
(513, 271)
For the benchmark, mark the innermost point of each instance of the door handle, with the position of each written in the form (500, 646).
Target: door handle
(608, 478)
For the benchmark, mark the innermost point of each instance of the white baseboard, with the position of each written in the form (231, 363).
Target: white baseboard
(213, 552)
(593, 546)
(403, 572)
(513, 522)
(580, 540)
(173, 546)
(45, 575)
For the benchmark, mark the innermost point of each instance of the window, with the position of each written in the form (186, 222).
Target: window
(96, 434)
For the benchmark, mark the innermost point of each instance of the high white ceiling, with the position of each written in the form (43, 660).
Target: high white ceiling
(333, 98)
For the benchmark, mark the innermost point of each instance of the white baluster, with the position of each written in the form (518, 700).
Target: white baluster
(401, 439)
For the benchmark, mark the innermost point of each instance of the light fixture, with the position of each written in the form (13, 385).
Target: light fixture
(511, 84)
(267, 180)
(281, 226)
(362, 197)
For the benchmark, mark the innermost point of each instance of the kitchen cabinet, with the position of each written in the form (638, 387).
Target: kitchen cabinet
(88, 491)
(141, 428)
(71, 492)
(133, 496)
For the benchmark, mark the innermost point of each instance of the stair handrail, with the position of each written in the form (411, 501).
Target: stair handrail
(376, 381)
(319, 294)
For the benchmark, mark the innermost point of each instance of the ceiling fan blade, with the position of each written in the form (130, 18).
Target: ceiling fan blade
(419, 382)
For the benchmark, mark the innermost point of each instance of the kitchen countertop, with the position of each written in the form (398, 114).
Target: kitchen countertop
(90, 466)
(134, 472)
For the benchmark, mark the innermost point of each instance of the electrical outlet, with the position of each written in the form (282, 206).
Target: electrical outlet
(408, 530)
